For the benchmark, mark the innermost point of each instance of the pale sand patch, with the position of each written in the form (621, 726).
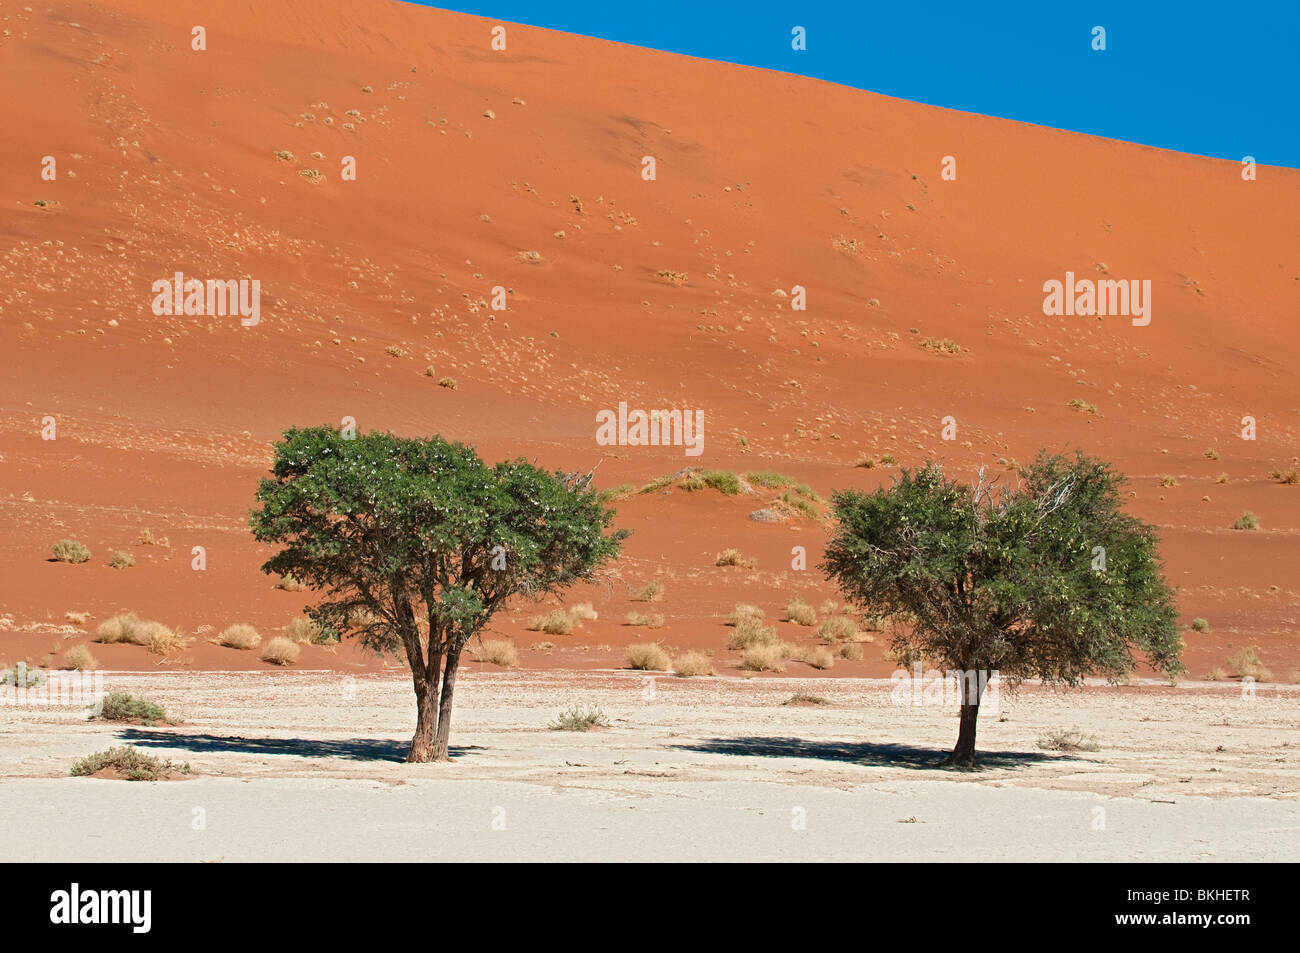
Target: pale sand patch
(306, 766)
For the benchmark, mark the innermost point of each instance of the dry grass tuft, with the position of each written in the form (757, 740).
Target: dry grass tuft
(652, 591)
(648, 657)
(765, 657)
(751, 631)
(819, 658)
(1246, 663)
(239, 636)
(692, 664)
(497, 652)
(555, 622)
(651, 620)
(734, 557)
(281, 651)
(302, 629)
(584, 611)
(1067, 739)
(799, 612)
(838, 628)
(79, 658)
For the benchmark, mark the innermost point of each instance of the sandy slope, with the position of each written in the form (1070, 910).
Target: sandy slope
(304, 766)
(166, 162)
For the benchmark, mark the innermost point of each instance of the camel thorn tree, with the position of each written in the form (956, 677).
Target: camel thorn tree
(1048, 579)
(416, 543)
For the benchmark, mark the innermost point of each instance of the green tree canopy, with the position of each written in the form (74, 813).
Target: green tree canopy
(416, 543)
(1047, 580)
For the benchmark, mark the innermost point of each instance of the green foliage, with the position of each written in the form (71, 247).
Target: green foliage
(122, 706)
(132, 763)
(580, 719)
(1004, 580)
(414, 544)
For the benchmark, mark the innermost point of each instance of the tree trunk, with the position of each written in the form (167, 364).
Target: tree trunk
(963, 756)
(425, 722)
(441, 748)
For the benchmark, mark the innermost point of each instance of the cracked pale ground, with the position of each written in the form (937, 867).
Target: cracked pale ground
(306, 766)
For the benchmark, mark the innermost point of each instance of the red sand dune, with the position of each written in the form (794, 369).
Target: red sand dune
(166, 162)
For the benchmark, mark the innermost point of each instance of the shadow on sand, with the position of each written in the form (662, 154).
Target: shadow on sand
(355, 749)
(857, 752)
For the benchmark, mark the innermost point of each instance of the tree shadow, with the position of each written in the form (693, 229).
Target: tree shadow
(866, 753)
(353, 749)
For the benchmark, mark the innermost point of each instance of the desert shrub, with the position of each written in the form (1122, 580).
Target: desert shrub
(1287, 476)
(691, 664)
(850, 651)
(121, 559)
(1246, 520)
(122, 706)
(805, 698)
(580, 719)
(799, 612)
(1200, 625)
(1221, 478)
(648, 657)
(78, 657)
(940, 345)
(888, 460)
(837, 628)
(281, 651)
(1168, 480)
(555, 622)
(1080, 404)
(734, 557)
(289, 584)
(1067, 739)
(147, 538)
(751, 631)
(497, 652)
(1211, 454)
(239, 636)
(819, 658)
(448, 382)
(77, 618)
(724, 481)
(133, 763)
(650, 592)
(765, 657)
(866, 461)
(651, 620)
(70, 551)
(614, 493)
(1246, 663)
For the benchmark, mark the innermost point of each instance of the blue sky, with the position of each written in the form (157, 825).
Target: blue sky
(1211, 79)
